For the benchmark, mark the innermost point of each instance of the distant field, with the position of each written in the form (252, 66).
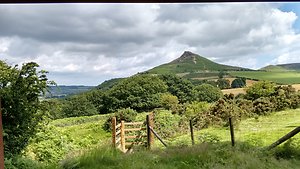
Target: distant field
(277, 77)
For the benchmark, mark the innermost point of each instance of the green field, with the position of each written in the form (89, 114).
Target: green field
(277, 77)
(252, 136)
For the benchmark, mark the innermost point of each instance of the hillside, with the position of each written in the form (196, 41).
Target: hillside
(291, 66)
(63, 91)
(274, 68)
(190, 62)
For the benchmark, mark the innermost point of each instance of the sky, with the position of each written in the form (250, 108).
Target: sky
(86, 44)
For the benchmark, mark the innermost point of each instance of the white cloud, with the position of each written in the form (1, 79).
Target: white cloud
(84, 44)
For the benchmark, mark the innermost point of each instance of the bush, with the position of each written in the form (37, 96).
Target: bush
(223, 84)
(260, 89)
(208, 93)
(263, 105)
(166, 124)
(18, 162)
(238, 83)
(169, 101)
(127, 115)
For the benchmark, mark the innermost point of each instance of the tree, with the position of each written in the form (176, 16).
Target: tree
(208, 93)
(223, 84)
(19, 90)
(183, 89)
(238, 83)
(78, 105)
(140, 92)
(169, 101)
(260, 89)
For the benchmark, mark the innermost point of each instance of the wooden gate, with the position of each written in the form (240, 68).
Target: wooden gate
(127, 134)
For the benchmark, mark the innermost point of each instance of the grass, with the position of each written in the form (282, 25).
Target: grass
(260, 131)
(277, 77)
(206, 155)
(252, 134)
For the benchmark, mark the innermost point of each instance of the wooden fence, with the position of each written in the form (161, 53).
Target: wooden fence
(127, 134)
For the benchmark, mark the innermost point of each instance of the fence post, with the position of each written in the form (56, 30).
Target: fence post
(231, 131)
(192, 132)
(1, 140)
(122, 136)
(113, 126)
(150, 137)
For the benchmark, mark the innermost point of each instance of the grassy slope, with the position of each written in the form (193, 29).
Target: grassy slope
(274, 68)
(251, 135)
(190, 62)
(277, 77)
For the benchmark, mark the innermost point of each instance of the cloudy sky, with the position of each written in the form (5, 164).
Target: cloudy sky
(85, 44)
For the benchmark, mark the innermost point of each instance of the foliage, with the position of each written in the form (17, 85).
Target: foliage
(181, 88)
(19, 91)
(260, 89)
(263, 105)
(52, 108)
(167, 124)
(19, 162)
(128, 115)
(238, 83)
(107, 84)
(208, 93)
(141, 93)
(169, 101)
(223, 83)
(78, 105)
(195, 108)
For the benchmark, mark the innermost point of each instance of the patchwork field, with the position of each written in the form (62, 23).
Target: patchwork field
(291, 77)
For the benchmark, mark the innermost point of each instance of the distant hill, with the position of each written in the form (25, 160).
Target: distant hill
(282, 67)
(274, 68)
(190, 62)
(291, 66)
(63, 91)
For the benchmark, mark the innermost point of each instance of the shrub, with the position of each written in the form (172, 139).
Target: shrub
(127, 115)
(208, 93)
(238, 83)
(260, 89)
(167, 124)
(223, 84)
(263, 105)
(168, 101)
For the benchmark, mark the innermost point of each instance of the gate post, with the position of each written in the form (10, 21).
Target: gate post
(150, 136)
(123, 136)
(113, 126)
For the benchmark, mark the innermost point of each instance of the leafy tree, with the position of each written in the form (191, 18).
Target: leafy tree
(238, 83)
(223, 84)
(127, 115)
(19, 90)
(169, 101)
(179, 87)
(78, 105)
(141, 93)
(208, 93)
(260, 89)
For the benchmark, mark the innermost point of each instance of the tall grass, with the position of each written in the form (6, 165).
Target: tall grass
(206, 155)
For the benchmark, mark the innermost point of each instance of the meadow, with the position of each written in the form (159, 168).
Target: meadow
(212, 150)
(288, 77)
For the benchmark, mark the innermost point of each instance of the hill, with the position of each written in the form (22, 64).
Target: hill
(190, 62)
(64, 91)
(291, 66)
(274, 68)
